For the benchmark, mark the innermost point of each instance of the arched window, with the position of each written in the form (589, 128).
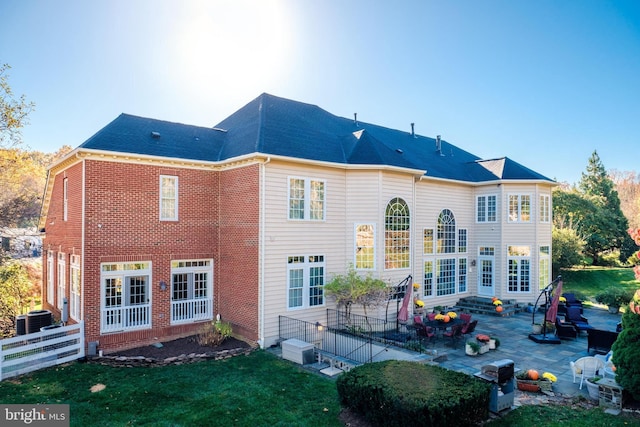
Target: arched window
(397, 234)
(446, 232)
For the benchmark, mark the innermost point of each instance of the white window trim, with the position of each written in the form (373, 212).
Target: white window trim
(142, 308)
(519, 214)
(466, 275)
(519, 258)
(544, 263)
(306, 215)
(62, 283)
(355, 245)
(175, 201)
(197, 309)
(305, 266)
(545, 204)
(75, 296)
(486, 208)
(50, 278)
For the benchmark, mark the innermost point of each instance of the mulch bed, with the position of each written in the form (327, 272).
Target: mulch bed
(179, 347)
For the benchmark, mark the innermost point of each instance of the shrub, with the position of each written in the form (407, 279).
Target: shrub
(614, 297)
(214, 333)
(626, 351)
(401, 393)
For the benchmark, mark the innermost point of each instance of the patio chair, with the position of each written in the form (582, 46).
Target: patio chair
(571, 301)
(586, 367)
(608, 364)
(431, 316)
(455, 333)
(465, 317)
(574, 317)
(468, 328)
(565, 329)
(423, 332)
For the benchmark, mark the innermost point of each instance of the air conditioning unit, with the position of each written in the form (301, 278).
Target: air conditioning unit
(297, 351)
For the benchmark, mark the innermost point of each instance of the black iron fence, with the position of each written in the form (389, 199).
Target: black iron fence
(353, 337)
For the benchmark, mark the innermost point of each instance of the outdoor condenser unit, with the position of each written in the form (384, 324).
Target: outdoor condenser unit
(297, 351)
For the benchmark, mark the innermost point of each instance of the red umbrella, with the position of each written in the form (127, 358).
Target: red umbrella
(552, 312)
(403, 314)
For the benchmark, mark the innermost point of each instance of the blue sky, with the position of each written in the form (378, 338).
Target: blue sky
(542, 82)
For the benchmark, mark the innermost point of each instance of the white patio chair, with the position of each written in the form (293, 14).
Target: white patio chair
(608, 364)
(586, 367)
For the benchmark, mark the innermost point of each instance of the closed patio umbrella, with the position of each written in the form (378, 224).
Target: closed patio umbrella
(552, 312)
(403, 314)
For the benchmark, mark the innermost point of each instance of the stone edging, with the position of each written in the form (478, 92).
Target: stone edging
(131, 361)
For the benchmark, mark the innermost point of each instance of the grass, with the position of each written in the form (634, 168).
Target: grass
(587, 282)
(565, 416)
(255, 390)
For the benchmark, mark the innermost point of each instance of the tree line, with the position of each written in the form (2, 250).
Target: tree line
(591, 219)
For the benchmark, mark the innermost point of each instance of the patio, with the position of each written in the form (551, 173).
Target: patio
(513, 332)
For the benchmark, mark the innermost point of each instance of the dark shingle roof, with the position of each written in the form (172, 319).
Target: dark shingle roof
(280, 127)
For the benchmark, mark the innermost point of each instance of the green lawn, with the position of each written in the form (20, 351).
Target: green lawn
(587, 282)
(255, 390)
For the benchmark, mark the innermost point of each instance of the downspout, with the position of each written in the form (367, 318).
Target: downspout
(261, 328)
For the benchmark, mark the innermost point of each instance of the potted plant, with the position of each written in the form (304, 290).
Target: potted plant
(614, 298)
(536, 328)
(483, 341)
(472, 348)
(592, 387)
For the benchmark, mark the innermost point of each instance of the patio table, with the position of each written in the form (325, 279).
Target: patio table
(441, 326)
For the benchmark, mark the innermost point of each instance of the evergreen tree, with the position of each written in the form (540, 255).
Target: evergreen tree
(605, 227)
(626, 351)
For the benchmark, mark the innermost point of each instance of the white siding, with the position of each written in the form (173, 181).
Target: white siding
(360, 196)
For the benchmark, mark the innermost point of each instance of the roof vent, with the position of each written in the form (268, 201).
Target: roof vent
(439, 145)
(355, 119)
(399, 150)
(413, 133)
(155, 134)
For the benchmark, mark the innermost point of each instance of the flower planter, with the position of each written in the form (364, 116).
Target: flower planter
(593, 389)
(536, 329)
(492, 344)
(484, 348)
(470, 351)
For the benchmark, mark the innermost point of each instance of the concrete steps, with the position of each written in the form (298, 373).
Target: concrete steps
(483, 305)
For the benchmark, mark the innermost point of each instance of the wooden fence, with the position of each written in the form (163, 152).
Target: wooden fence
(30, 352)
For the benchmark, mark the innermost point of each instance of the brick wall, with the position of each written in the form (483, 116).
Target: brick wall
(237, 297)
(218, 219)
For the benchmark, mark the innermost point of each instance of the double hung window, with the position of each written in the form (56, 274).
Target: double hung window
(168, 198)
(365, 247)
(486, 208)
(519, 208)
(306, 199)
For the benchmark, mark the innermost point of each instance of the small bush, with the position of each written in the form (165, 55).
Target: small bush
(401, 393)
(614, 297)
(214, 333)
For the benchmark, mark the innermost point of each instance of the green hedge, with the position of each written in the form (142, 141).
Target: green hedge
(401, 393)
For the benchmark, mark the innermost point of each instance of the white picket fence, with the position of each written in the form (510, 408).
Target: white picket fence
(30, 352)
